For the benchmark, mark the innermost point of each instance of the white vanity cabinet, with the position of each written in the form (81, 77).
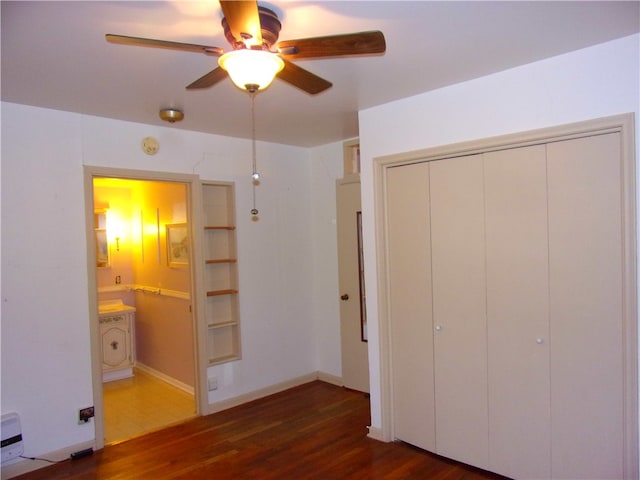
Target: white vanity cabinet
(117, 340)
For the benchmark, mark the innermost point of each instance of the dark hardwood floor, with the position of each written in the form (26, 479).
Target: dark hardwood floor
(314, 431)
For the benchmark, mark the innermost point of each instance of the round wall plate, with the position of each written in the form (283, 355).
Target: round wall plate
(150, 145)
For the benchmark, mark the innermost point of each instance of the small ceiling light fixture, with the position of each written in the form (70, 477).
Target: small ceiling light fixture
(171, 115)
(251, 69)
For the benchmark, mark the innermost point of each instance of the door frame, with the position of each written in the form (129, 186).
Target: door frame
(194, 204)
(623, 124)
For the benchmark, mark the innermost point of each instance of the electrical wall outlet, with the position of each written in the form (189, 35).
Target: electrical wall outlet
(85, 414)
(212, 383)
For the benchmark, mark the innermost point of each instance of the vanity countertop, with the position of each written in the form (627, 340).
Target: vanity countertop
(114, 306)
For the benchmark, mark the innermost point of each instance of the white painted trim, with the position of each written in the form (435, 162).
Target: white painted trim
(146, 289)
(21, 466)
(195, 206)
(260, 393)
(376, 434)
(332, 379)
(117, 375)
(165, 378)
(347, 158)
(271, 389)
(165, 292)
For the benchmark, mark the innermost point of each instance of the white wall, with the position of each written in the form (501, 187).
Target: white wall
(284, 285)
(46, 367)
(595, 82)
(326, 168)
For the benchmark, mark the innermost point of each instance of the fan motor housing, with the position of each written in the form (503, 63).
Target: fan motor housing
(269, 25)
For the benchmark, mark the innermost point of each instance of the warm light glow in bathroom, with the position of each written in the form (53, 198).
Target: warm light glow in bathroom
(150, 229)
(116, 226)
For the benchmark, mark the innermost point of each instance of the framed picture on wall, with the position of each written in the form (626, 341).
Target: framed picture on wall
(177, 245)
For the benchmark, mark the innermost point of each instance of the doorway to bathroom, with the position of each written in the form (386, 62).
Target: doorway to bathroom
(143, 290)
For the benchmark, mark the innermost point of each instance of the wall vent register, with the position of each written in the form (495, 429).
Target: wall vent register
(12, 446)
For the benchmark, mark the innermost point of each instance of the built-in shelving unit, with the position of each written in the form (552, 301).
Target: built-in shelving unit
(221, 272)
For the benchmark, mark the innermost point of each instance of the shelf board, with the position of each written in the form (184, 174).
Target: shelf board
(221, 260)
(226, 358)
(230, 323)
(229, 291)
(219, 227)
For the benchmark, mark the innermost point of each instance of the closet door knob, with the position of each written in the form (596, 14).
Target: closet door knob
(539, 341)
(438, 328)
(344, 297)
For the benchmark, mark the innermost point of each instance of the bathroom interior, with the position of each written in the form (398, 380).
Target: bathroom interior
(144, 300)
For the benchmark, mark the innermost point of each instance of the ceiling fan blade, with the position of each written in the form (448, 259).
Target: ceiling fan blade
(361, 43)
(303, 79)
(244, 21)
(149, 42)
(210, 79)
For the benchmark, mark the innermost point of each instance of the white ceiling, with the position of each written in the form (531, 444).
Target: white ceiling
(54, 55)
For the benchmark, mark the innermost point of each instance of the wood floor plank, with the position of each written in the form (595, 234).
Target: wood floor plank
(314, 431)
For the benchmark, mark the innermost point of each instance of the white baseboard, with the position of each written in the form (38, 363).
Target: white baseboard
(165, 378)
(332, 379)
(376, 434)
(260, 393)
(270, 390)
(20, 466)
(117, 375)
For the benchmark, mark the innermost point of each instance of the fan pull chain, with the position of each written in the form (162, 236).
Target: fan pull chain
(255, 176)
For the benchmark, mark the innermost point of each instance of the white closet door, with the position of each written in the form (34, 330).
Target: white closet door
(409, 264)
(459, 308)
(518, 312)
(585, 241)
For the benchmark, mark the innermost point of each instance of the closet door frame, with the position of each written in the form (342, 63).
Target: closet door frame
(622, 124)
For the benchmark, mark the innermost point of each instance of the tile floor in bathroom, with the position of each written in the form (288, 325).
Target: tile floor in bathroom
(141, 404)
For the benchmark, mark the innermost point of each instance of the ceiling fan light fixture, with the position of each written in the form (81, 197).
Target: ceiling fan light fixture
(251, 69)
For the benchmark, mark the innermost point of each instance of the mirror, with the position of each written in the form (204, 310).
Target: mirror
(102, 247)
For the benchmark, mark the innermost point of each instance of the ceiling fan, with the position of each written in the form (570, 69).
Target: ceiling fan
(253, 31)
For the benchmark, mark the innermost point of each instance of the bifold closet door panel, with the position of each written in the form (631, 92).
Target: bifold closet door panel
(459, 308)
(411, 335)
(585, 262)
(518, 312)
